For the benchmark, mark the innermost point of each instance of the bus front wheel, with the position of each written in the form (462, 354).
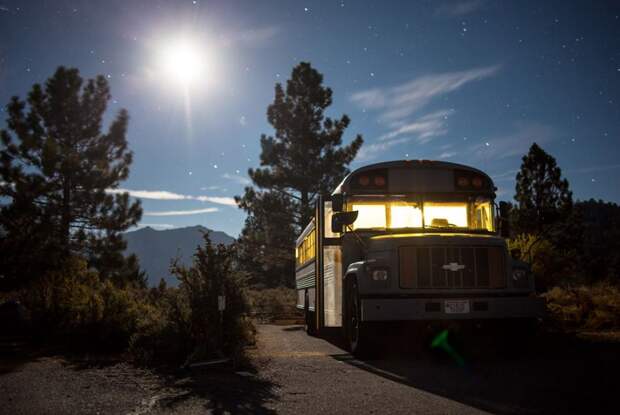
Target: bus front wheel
(358, 334)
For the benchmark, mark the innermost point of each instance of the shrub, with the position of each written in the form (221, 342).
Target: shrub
(72, 304)
(272, 302)
(550, 265)
(189, 326)
(594, 307)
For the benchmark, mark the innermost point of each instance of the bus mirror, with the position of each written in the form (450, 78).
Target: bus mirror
(504, 219)
(504, 209)
(337, 202)
(342, 219)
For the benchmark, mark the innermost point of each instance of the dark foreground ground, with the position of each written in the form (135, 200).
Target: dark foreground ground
(294, 373)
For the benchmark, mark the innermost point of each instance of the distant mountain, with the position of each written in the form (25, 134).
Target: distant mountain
(156, 249)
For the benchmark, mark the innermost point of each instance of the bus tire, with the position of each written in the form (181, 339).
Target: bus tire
(358, 334)
(309, 318)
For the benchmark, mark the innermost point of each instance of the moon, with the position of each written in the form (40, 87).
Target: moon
(183, 62)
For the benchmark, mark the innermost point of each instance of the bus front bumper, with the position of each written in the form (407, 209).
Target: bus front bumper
(406, 309)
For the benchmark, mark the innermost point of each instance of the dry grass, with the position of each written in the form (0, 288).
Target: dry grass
(585, 308)
(273, 303)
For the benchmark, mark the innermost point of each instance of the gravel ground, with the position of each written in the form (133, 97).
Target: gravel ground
(295, 373)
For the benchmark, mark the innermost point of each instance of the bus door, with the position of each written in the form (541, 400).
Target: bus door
(330, 266)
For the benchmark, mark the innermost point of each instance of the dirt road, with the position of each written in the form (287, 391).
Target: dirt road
(549, 375)
(298, 374)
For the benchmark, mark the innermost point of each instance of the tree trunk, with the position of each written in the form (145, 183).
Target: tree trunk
(65, 226)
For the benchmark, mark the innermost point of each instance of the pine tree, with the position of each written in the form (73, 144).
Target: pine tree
(55, 167)
(303, 159)
(543, 196)
(266, 242)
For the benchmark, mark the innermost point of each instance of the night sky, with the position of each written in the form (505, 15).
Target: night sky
(472, 81)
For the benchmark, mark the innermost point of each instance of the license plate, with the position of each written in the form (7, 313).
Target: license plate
(456, 306)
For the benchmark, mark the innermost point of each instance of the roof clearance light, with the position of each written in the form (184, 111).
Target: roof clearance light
(477, 182)
(462, 182)
(379, 181)
(364, 180)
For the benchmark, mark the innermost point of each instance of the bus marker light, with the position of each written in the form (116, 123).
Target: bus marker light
(477, 182)
(364, 180)
(463, 181)
(379, 181)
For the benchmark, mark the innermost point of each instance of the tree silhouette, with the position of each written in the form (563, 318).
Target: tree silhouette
(55, 168)
(304, 158)
(266, 243)
(543, 196)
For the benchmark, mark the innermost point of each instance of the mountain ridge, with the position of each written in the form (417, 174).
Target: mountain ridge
(157, 248)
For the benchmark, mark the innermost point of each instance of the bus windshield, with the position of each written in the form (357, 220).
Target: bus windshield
(475, 214)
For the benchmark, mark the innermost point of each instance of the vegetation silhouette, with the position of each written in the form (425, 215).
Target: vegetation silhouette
(56, 165)
(302, 160)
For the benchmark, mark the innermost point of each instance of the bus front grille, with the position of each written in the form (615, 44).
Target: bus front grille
(452, 267)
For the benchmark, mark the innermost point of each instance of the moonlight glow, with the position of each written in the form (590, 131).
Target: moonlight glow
(183, 62)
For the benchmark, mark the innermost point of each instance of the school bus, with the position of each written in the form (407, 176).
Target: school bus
(411, 240)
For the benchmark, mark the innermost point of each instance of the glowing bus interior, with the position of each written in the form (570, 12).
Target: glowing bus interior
(473, 215)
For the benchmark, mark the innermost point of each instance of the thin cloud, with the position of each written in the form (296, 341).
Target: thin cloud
(396, 107)
(447, 154)
(426, 127)
(165, 195)
(507, 175)
(421, 130)
(220, 200)
(372, 151)
(180, 212)
(399, 102)
(459, 8)
(237, 178)
(149, 194)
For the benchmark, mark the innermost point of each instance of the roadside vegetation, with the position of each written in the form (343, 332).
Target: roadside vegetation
(62, 218)
(573, 247)
(585, 307)
(269, 304)
(65, 281)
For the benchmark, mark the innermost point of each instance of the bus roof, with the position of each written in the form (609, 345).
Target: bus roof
(416, 176)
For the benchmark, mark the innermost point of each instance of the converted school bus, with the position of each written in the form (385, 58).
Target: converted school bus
(409, 241)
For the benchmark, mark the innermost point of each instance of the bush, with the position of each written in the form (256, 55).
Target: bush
(189, 326)
(74, 305)
(272, 302)
(550, 265)
(594, 307)
(164, 334)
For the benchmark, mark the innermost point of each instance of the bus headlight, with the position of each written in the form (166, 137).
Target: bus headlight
(520, 278)
(379, 275)
(519, 275)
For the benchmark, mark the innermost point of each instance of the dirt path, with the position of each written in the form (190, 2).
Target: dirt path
(547, 375)
(314, 376)
(298, 374)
